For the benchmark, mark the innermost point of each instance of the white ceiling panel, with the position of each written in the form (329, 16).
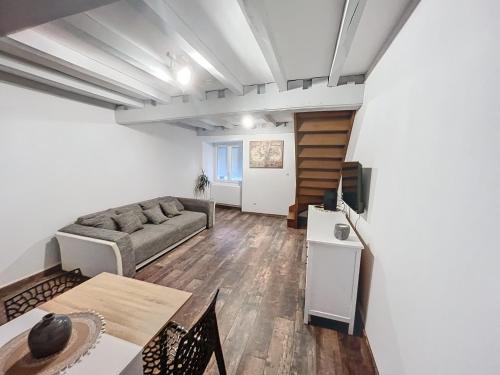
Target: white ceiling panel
(377, 22)
(304, 33)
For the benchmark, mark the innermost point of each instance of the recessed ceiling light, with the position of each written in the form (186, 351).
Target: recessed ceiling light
(184, 76)
(247, 121)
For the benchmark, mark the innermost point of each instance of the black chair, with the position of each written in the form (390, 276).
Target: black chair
(178, 351)
(30, 298)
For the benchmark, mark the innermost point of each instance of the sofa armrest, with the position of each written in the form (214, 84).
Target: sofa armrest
(99, 237)
(200, 205)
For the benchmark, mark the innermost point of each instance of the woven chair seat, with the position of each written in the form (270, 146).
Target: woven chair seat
(177, 351)
(168, 341)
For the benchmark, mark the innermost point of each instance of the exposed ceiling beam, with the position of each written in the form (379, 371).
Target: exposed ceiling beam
(121, 47)
(243, 131)
(269, 118)
(189, 42)
(35, 46)
(197, 124)
(255, 14)
(215, 121)
(317, 98)
(353, 9)
(53, 78)
(16, 15)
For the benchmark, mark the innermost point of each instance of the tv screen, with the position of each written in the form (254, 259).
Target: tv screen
(352, 189)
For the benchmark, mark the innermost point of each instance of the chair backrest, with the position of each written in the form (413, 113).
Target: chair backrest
(198, 344)
(30, 298)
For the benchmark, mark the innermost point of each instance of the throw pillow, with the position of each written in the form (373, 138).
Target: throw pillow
(155, 215)
(99, 221)
(146, 205)
(136, 209)
(170, 209)
(178, 204)
(128, 222)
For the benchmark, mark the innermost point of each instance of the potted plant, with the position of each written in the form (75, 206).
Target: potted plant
(202, 185)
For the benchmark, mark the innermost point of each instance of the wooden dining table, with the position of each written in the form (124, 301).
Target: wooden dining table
(134, 312)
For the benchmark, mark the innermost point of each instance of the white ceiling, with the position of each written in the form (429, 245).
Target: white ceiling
(134, 47)
(305, 33)
(376, 25)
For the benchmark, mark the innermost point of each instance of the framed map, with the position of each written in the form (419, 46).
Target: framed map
(266, 154)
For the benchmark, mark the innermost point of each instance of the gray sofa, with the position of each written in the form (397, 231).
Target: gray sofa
(94, 249)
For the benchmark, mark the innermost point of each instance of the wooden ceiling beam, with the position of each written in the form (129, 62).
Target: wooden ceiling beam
(173, 25)
(62, 81)
(121, 47)
(216, 121)
(16, 15)
(353, 9)
(46, 50)
(317, 98)
(197, 124)
(255, 15)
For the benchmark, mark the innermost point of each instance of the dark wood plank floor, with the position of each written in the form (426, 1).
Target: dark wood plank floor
(259, 265)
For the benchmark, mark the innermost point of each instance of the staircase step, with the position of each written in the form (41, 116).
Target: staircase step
(318, 184)
(320, 164)
(307, 199)
(322, 175)
(321, 143)
(325, 125)
(322, 152)
(323, 139)
(312, 192)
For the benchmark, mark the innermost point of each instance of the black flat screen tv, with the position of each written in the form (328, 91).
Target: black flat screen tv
(352, 186)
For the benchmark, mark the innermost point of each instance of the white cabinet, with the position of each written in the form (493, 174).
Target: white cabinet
(332, 270)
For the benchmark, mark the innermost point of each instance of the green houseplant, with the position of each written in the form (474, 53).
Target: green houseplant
(202, 185)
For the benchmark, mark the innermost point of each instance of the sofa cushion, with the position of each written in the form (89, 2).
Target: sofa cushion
(177, 203)
(189, 222)
(153, 239)
(108, 212)
(150, 203)
(155, 215)
(128, 222)
(99, 221)
(135, 208)
(170, 209)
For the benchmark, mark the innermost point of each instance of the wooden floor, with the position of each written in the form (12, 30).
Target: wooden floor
(259, 265)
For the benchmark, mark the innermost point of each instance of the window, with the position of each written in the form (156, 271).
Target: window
(229, 163)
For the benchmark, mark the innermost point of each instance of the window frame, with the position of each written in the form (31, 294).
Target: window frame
(229, 161)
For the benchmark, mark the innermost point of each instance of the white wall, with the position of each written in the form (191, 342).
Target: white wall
(269, 191)
(60, 159)
(430, 129)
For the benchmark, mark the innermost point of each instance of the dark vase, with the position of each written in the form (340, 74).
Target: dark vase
(50, 335)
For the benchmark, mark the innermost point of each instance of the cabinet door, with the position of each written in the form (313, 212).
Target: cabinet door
(330, 280)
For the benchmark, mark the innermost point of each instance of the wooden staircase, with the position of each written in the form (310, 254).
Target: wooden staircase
(321, 140)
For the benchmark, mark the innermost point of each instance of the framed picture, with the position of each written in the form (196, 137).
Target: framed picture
(266, 154)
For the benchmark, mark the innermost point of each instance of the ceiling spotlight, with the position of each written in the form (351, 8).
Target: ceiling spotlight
(247, 121)
(184, 76)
